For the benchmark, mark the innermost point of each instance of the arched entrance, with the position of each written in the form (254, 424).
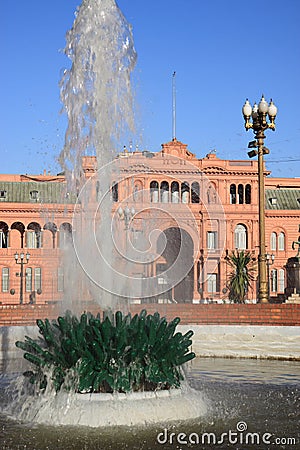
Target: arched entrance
(176, 247)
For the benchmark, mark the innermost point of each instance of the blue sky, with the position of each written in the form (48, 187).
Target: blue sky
(222, 52)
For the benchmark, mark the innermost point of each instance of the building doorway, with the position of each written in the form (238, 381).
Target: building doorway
(176, 246)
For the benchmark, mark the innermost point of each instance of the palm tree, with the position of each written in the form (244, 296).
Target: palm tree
(242, 265)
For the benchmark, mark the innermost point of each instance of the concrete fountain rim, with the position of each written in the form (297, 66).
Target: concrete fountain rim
(99, 410)
(138, 395)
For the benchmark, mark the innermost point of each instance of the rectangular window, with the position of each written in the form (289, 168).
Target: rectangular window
(3, 239)
(37, 279)
(5, 279)
(33, 239)
(3, 194)
(60, 279)
(274, 282)
(281, 280)
(211, 283)
(30, 239)
(28, 279)
(211, 240)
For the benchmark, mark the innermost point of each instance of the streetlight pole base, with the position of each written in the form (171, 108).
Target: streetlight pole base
(263, 293)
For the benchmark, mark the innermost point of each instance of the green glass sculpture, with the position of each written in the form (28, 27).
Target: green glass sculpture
(117, 354)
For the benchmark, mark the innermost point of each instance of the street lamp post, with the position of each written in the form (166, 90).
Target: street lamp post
(21, 262)
(269, 260)
(126, 214)
(256, 118)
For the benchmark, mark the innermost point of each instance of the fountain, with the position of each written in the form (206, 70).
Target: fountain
(87, 370)
(259, 397)
(120, 354)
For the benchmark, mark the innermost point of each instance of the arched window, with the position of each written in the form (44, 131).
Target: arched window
(65, 234)
(115, 192)
(248, 194)
(175, 192)
(21, 228)
(281, 241)
(211, 194)
(273, 241)
(3, 235)
(232, 194)
(195, 192)
(154, 191)
(53, 228)
(138, 191)
(185, 192)
(34, 236)
(164, 192)
(240, 237)
(241, 194)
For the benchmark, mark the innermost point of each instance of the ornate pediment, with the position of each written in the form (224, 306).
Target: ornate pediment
(177, 149)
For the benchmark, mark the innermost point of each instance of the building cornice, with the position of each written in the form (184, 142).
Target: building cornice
(17, 208)
(276, 213)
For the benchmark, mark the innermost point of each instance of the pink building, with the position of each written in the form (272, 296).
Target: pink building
(206, 207)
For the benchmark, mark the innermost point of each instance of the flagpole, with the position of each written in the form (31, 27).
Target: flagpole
(174, 105)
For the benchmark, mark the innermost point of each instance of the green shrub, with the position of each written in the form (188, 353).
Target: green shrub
(116, 354)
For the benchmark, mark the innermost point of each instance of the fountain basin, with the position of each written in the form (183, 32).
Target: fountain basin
(137, 408)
